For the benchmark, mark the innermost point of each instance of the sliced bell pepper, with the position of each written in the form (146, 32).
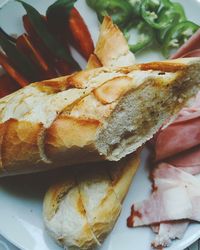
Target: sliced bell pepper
(79, 34)
(70, 26)
(12, 39)
(176, 14)
(178, 35)
(119, 10)
(25, 44)
(161, 14)
(54, 46)
(36, 40)
(7, 85)
(92, 3)
(20, 61)
(146, 38)
(8, 67)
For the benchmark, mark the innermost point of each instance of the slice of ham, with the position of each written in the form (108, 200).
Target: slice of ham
(192, 44)
(177, 137)
(182, 134)
(188, 161)
(193, 53)
(169, 231)
(176, 197)
(168, 173)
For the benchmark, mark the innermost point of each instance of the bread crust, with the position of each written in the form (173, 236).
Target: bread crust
(21, 139)
(66, 193)
(112, 48)
(102, 188)
(74, 134)
(82, 109)
(93, 62)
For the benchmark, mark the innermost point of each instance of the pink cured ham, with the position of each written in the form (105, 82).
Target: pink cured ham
(176, 138)
(193, 53)
(182, 134)
(177, 197)
(192, 44)
(188, 161)
(169, 231)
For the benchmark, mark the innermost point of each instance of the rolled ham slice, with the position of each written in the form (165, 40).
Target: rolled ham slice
(177, 137)
(192, 44)
(193, 53)
(182, 134)
(169, 231)
(176, 197)
(188, 161)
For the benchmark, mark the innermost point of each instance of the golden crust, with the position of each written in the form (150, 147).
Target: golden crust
(83, 236)
(102, 188)
(87, 113)
(112, 45)
(53, 85)
(112, 90)
(20, 144)
(55, 194)
(93, 62)
(71, 135)
(122, 174)
(165, 66)
(99, 199)
(2, 131)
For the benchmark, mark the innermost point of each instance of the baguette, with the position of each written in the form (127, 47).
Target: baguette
(80, 210)
(110, 112)
(93, 195)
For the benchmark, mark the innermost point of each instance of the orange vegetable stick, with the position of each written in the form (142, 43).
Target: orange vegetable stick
(5, 63)
(79, 34)
(36, 40)
(25, 44)
(62, 67)
(7, 85)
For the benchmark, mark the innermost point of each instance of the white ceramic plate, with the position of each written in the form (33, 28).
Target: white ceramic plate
(21, 197)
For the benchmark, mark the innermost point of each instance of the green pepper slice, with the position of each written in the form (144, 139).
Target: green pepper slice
(146, 38)
(162, 16)
(54, 46)
(136, 5)
(149, 11)
(59, 11)
(119, 10)
(92, 3)
(178, 35)
(175, 14)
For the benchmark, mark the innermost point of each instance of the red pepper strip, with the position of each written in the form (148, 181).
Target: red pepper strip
(79, 34)
(5, 63)
(25, 44)
(7, 85)
(36, 40)
(62, 67)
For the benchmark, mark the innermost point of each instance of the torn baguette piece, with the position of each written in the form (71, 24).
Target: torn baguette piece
(123, 113)
(112, 48)
(81, 209)
(98, 114)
